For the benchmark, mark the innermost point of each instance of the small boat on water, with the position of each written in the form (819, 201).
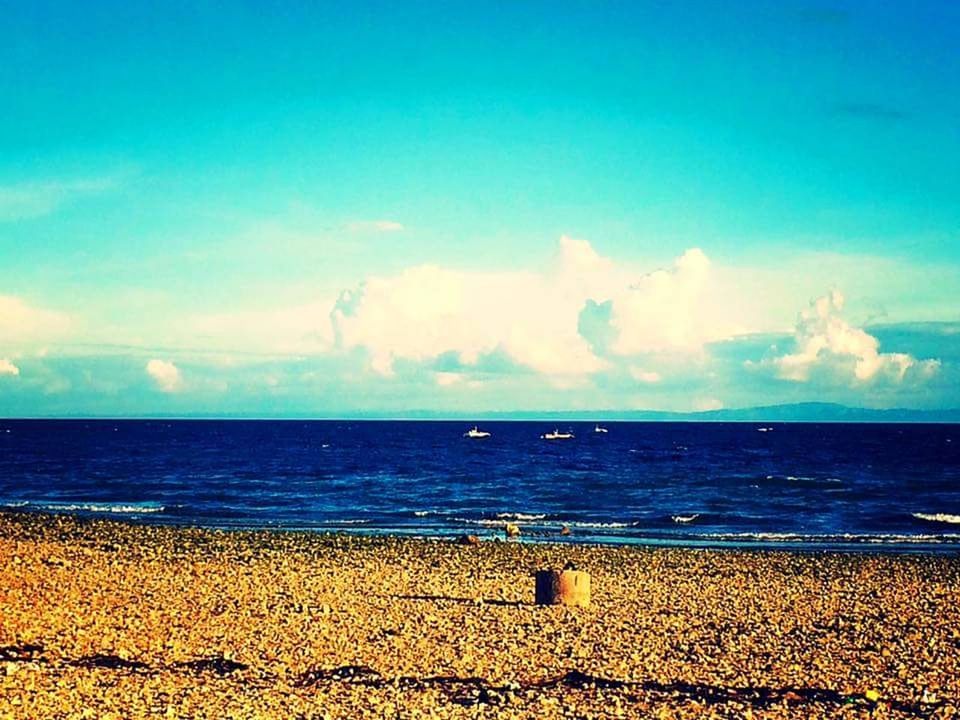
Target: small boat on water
(598, 429)
(557, 435)
(476, 434)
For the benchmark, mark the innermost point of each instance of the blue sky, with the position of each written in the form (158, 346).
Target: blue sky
(457, 207)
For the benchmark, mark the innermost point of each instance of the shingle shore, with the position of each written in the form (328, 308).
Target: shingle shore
(101, 619)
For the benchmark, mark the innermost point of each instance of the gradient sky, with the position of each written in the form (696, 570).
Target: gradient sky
(338, 208)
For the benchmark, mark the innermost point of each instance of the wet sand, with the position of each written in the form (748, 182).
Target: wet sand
(101, 619)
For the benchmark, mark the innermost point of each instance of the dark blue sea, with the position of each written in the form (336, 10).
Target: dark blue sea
(862, 486)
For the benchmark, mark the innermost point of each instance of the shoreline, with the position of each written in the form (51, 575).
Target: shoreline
(131, 619)
(548, 533)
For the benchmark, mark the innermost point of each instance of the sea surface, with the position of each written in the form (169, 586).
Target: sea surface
(872, 487)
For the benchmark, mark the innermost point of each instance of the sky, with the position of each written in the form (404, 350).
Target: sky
(336, 209)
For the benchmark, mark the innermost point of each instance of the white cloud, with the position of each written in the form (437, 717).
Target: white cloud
(165, 374)
(374, 226)
(826, 341)
(35, 199)
(533, 317)
(644, 376)
(427, 311)
(446, 379)
(8, 368)
(21, 323)
(677, 309)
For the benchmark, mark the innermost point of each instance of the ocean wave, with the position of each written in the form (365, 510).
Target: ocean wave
(804, 479)
(938, 517)
(521, 516)
(850, 538)
(94, 507)
(486, 522)
(501, 521)
(684, 518)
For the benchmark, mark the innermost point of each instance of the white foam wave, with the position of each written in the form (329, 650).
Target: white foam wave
(803, 478)
(840, 538)
(521, 516)
(486, 522)
(125, 508)
(684, 518)
(500, 522)
(938, 517)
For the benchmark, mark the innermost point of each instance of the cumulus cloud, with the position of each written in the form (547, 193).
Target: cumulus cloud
(374, 226)
(428, 311)
(8, 368)
(165, 374)
(668, 310)
(574, 318)
(826, 342)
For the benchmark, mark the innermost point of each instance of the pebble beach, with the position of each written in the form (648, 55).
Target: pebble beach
(104, 619)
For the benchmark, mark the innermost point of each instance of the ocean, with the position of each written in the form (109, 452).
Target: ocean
(877, 487)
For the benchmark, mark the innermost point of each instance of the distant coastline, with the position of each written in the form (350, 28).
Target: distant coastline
(809, 412)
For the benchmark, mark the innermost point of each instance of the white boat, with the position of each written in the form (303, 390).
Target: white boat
(476, 434)
(557, 435)
(598, 429)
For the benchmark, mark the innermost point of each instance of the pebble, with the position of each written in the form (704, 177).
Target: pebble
(188, 623)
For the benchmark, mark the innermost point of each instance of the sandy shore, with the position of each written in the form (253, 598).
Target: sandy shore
(108, 620)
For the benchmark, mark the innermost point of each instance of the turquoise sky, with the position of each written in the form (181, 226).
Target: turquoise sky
(327, 208)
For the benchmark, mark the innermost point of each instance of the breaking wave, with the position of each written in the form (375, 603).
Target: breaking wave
(938, 517)
(121, 508)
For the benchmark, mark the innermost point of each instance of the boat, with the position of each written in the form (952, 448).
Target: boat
(598, 429)
(476, 433)
(557, 435)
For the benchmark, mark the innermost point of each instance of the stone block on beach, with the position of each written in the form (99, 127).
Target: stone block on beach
(565, 587)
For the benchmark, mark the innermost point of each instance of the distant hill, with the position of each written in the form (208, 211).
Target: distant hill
(796, 412)
(827, 412)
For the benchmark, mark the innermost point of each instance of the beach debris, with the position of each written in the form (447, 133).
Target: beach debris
(361, 674)
(217, 664)
(567, 587)
(110, 662)
(511, 530)
(468, 540)
(20, 653)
